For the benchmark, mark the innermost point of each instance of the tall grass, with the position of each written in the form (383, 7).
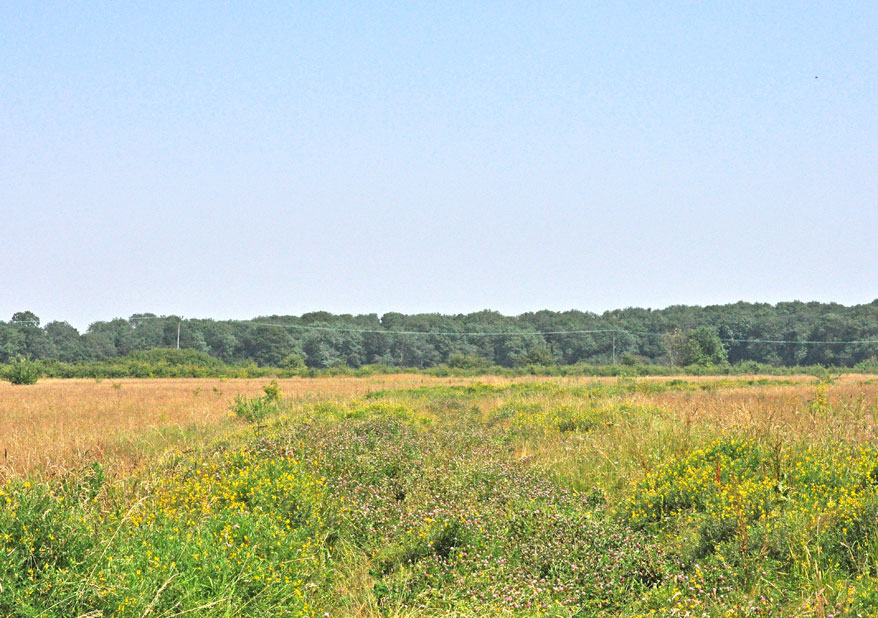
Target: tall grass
(423, 497)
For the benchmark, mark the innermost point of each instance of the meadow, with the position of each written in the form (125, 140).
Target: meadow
(414, 496)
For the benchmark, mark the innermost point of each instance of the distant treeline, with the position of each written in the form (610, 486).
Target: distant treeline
(783, 335)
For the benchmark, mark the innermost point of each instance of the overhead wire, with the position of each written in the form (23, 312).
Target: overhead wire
(362, 331)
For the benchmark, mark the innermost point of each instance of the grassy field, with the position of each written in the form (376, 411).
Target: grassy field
(55, 425)
(417, 496)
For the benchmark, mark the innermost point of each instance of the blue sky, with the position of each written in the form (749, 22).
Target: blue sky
(232, 161)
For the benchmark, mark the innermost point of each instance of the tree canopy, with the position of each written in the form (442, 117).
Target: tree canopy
(785, 334)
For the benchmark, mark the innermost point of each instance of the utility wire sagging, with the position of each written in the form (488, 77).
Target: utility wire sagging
(786, 335)
(363, 331)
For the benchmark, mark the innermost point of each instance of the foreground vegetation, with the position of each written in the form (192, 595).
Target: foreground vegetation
(624, 497)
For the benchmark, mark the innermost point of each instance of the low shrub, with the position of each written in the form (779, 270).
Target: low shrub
(254, 409)
(22, 371)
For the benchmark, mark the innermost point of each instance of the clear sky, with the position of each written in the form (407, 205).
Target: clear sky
(232, 161)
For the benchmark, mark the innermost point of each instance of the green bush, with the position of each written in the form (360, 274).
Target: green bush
(254, 409)
(459, 360)
(293, 362)
(22, 371)
(176, 357)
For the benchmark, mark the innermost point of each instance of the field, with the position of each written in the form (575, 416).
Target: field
(53, 426)
(412, 496)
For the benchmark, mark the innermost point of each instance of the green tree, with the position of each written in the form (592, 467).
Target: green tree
(221, 339)
(536, 355)
(99, 345)
(115, 331)
(267, 345)
(26, 317)
(320, 350)
(705, 347)
(66, 341)
(676, 345)
(12, 343)
(36, 344)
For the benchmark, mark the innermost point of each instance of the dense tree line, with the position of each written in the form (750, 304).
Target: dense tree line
(676, 335)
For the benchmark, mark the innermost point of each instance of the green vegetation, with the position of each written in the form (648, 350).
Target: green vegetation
(255, 409)
(530, 499)
(171, 363)
(21, 371)
(699, 347)
(773, 335)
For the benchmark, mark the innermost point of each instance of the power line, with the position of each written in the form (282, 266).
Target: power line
(614, 331)
(397, 332)
(828, 342)
(538, 333)
(738, 340)
(428, 332)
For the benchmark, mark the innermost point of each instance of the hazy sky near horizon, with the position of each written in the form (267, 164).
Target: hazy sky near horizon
(229, 161)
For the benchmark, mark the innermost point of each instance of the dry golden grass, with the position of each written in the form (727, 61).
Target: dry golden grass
(58, 425)
(786, 411)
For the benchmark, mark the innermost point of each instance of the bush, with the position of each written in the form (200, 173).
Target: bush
(254, 409)
(22, 371)
(459, 360)
(176, 357)
(293, 362)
